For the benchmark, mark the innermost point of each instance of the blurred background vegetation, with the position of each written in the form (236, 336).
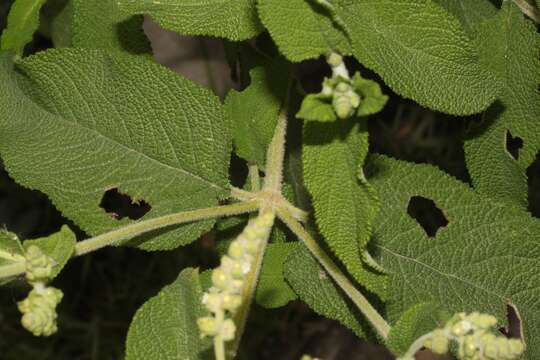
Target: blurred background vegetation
(104, 289)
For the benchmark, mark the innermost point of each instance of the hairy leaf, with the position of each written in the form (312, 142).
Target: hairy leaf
(510, 48)
(421, 52)
(59, 246)
(23, 21)
(78, 123)
(469, 13)
(272, 290)
(315, 287)
(302, 29)
(484, 259)
(232, 19)
(99, 24)
(165, 327)
(344, 207)
(418, 320)
(255, 110)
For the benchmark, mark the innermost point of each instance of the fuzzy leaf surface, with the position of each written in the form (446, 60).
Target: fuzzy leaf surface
(59, 246)
(272, 290)
(165, 327)
(315, 287)
(314, 32)
(421, 52)
(23, 21)
(469, 13)
(344, 207)
(231, 19)
(78, 123)
(99, 24)
(485, 258)
(509, 47)
(255, 110)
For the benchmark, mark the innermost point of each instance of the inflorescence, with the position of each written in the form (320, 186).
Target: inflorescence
(475, 336)
(225, 296)
(39, 307)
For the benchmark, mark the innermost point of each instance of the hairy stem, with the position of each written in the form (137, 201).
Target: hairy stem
(276, 151)
(373, 316)
(128, 232)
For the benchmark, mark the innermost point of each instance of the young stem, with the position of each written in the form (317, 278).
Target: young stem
(219, 344)
(373, 316)
(276, 151)
(128, 232)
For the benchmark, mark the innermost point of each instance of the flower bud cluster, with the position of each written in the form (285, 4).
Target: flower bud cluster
(39, 307)
(339, 87)
(39, 310)
(225, 295)
(475, 335)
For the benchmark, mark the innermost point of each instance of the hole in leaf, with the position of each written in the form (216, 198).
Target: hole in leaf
(120, 205)
(427, 214)
(533, 182)
(514, 323)
(513, 144)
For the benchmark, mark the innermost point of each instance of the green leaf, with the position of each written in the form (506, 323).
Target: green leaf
(78, 123)
(415, 322)
(509, 48)
(231, 19)
(302, 29)
(485, 258)
(11, 249)
(99, 24)
(344, 207)
(165, 327)
(272, 290)
(421, 52)
(469, 13)
(315, 287)
(23, 21)
(373, 100)
(255, 110)
(316, 107)
(59, 246)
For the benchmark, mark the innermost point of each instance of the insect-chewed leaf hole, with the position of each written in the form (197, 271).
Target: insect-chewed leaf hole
(513, 144)
(427, 214)
(120, 205)
(514, 323)
(533, 180)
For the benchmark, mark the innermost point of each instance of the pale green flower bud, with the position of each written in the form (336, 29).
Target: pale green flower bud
(490, 346)
(468, 347)
(220, 279)
(236, 251)
(234, 267)
(208, 326)
(342, 106)
(38, 265)
(231, 302)
(227, 330)
(503, 348)
(483, 321)
(516, 347)
(439, 342)
(462, 328)
(213, 301)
